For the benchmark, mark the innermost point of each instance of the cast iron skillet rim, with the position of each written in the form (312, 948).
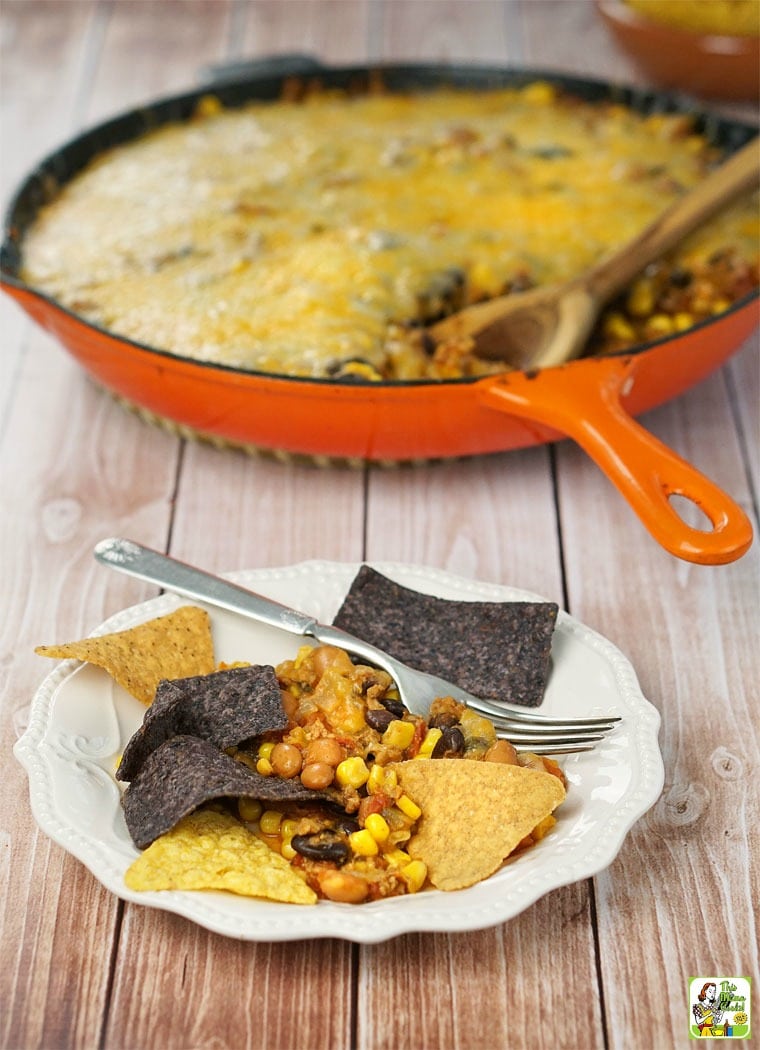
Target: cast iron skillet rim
(360, 382)
(129, 124)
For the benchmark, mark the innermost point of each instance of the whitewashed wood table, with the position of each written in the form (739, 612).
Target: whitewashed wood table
(602, 963)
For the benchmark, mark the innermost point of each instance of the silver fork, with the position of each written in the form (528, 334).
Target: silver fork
(417, 689)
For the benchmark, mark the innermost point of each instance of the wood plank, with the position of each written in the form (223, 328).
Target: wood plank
(199, 989)
(689, 641)
(36, 116)
(743, 380)
(272, 513)
(75, 466)
(333, 31)
(487, 988)
(690, 664)
(569, 36)
(491, 518)
(444, 31)
(56, 474)
(500, 526)
(152, 48)
(275, 513)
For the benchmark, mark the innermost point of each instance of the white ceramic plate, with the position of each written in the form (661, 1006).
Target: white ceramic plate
(80, 721)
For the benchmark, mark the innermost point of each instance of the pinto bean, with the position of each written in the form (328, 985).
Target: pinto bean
(501, 751)
(286, 760)
(325, 749)
(343, 886)
(317, 775)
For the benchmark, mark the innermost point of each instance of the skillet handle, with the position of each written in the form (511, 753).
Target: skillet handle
(644, 470)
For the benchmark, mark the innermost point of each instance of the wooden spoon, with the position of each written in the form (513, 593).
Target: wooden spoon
(547, 326)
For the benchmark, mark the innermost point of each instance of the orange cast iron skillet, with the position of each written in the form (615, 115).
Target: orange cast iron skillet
(592, 400)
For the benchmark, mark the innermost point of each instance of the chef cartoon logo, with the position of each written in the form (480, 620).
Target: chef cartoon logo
(719, 1007)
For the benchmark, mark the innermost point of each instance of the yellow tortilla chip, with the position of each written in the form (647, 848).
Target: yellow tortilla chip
(474, 814)
(210, 850)
(178, 645)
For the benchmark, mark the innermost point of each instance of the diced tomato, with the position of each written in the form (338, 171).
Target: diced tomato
(420, 730)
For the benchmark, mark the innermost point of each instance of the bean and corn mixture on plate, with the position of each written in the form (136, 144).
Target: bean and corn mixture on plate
(316, 236)
(259, 776)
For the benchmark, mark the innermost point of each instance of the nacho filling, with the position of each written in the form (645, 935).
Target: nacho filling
(348, 733)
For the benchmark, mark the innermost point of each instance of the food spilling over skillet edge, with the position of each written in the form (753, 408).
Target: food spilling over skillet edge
(318, 234)
(311, 779)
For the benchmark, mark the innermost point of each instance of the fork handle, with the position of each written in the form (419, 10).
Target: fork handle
(135, 560)
(145, 564)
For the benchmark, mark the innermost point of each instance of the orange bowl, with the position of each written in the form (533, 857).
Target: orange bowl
(711, 66)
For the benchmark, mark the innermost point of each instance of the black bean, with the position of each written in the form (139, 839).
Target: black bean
(442, 720)
(323, 845)
(395, 707)
(450, 744)
(379, 719)
(347, 824)
(680, 277)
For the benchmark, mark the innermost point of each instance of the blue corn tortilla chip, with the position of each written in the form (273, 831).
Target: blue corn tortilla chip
(495, 650)
(226, 708)
(186, 772)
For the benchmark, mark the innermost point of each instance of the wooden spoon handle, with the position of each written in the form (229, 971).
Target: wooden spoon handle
(735, 176)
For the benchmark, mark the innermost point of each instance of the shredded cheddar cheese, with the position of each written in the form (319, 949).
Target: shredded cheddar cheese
(310, 237)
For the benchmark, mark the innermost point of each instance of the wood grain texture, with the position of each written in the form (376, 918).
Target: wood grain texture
(589, 965)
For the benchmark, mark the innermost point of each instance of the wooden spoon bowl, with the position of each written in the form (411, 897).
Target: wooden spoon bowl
(550, 325)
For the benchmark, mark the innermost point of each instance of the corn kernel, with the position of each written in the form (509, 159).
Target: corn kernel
(363, 843)
(249, 808)
(409, 808)
(376, 779)
(264, 767)
(397, 857)
(682, 321)
(539, 92)
(288, 828)
(399, 734)
(415, 874)
(377, 826)
(659, 324)
(287, 851)
(640, 301)
(720, 305)
(616, 327)
(431, 739)
(352, 772)
(270, 821)
(266, 749)
(208, 106)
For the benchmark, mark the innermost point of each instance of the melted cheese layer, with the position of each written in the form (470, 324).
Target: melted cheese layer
(291, 237)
